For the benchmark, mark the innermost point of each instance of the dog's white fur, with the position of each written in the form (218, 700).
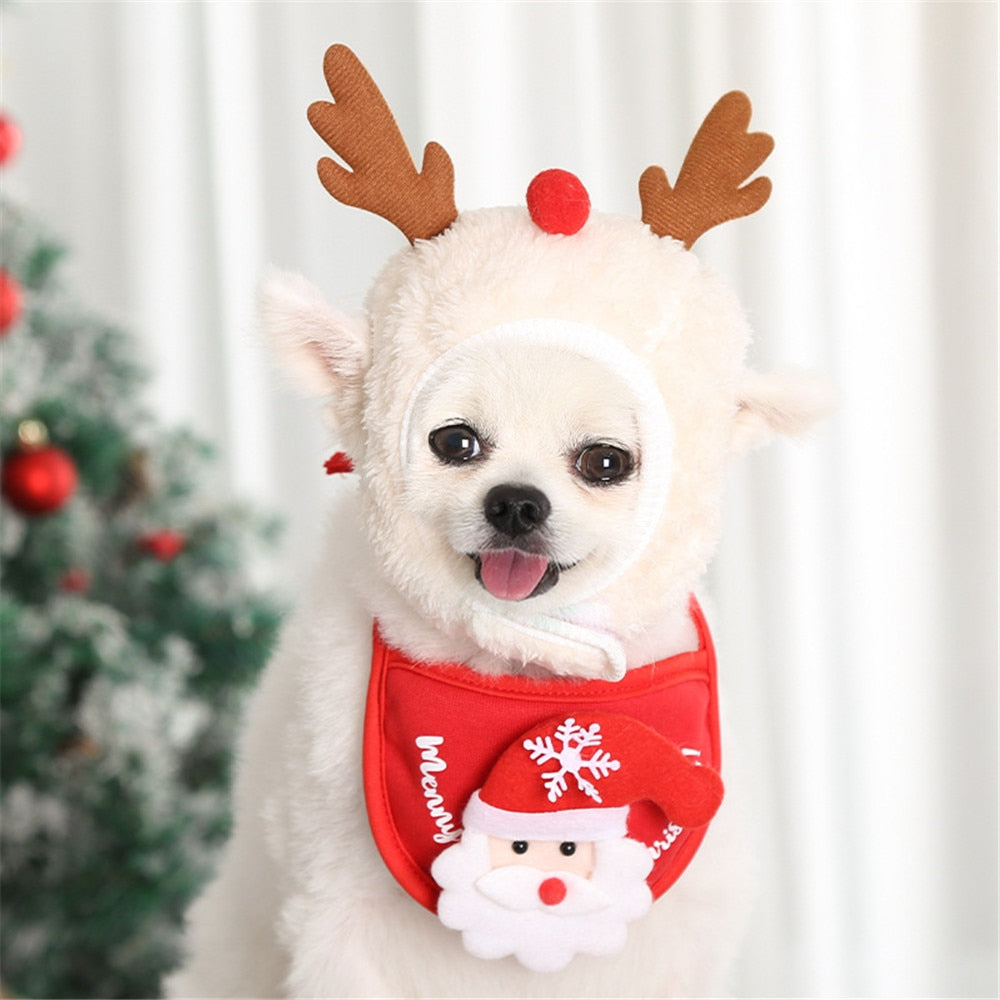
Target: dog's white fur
(302, 905)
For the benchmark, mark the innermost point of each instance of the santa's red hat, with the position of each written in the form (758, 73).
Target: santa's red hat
(575, 777)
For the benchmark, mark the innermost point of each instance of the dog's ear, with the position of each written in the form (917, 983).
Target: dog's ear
(326, 352)
(784, 402)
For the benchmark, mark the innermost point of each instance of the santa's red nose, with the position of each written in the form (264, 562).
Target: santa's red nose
(552, 891)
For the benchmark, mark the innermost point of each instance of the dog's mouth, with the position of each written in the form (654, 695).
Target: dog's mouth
(513, 574)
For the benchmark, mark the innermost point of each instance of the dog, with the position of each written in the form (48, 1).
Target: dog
(540, 406)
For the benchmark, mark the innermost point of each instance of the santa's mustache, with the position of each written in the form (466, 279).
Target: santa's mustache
(521, 887)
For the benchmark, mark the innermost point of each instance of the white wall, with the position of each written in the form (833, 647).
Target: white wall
(856, 585)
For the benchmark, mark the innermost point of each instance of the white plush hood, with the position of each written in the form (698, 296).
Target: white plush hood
(645, 307)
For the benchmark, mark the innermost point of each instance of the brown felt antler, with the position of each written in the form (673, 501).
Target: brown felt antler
(361, 130)
(722, 156)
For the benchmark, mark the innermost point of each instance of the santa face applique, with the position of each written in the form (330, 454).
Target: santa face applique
(545, 868)
(542, 915)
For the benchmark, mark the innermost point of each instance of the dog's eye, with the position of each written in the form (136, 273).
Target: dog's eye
(455, 443)
(604, 463)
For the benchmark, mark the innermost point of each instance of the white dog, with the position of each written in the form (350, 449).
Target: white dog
(540, 406)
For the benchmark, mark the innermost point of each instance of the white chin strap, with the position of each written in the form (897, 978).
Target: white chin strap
(567, 649)
(552, 639)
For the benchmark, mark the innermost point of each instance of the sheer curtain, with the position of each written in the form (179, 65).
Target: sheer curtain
(856, 584)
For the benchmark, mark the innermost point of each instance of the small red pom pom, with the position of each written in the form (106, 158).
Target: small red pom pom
(39, 480)
(338, 463)
(552, 891)
(164, 544)
(558, 202)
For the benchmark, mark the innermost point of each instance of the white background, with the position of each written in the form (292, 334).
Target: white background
(856, 584)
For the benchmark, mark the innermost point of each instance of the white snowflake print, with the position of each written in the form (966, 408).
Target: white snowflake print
(573, 741)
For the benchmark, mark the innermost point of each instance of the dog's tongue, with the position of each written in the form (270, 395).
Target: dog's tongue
(511, 574)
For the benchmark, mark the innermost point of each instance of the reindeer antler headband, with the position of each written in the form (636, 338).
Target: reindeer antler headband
(359, 127)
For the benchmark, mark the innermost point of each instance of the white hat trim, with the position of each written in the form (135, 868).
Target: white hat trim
(563, 824)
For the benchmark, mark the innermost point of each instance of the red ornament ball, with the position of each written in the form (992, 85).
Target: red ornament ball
(558, 202)
(163, 544)
(11, 302)
(10, 139)
(38, 480)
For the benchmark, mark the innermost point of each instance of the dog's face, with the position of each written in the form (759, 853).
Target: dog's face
(536, 470)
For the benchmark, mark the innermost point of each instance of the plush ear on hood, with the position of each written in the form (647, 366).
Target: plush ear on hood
(325, 351)
(782, 402)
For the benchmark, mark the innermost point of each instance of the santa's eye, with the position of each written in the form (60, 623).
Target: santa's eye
(455, 444)
(519, 847)
(567, 848)
(602, 464)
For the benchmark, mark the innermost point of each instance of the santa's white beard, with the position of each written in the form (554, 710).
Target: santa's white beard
(500, 911)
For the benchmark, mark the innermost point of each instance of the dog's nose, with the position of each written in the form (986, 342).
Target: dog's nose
(516, 510)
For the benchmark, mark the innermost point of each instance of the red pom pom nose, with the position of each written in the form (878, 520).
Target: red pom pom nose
(552, 891)
(558, 202)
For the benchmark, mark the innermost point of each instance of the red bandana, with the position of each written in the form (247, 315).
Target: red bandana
(434, 731)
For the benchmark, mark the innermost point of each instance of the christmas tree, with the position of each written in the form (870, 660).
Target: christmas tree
(130, 635)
